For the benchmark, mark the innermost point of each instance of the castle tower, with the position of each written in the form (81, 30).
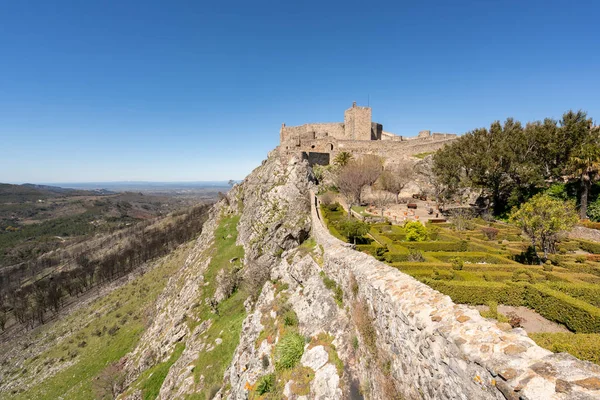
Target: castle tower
(357, 123)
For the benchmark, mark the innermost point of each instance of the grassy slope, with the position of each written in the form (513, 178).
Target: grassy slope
(211, 365)
(124, 308)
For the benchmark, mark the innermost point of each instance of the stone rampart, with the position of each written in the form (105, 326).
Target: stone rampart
(321, 130)
(441, 350)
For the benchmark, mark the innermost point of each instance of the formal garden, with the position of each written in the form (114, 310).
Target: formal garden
(488, 263)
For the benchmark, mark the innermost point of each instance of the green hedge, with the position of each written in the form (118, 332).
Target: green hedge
(581, 345)
(397, 237)
(469, 292)
(370, 249)
(575, 314)
(588, 293)
(379, 237)
(591, 247)
(472, 258)
(437, 246)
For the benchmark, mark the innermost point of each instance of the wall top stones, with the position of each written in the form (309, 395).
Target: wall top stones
(442, 350)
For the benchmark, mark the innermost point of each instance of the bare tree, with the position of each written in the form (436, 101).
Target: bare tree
(382, 199)
(109, 383)
(395, 178)
(357, 174)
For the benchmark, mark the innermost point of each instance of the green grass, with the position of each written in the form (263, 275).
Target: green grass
(153, 378)
(423, 155)
(124, 308)
(211, 365)
(362, 210)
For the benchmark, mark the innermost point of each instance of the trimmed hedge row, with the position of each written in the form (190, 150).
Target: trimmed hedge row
(590, 247)
(475, 293)
(437, 246)
(581, 345)
(471, 258)
(575, 314)
(588, 293)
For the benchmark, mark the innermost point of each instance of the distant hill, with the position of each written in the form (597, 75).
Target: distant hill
(30, 192)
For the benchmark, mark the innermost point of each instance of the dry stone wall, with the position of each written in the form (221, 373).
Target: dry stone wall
(441, 350)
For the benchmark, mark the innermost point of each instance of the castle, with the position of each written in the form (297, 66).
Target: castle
(358, 134)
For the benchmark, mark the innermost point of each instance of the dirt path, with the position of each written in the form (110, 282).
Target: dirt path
(532, 322)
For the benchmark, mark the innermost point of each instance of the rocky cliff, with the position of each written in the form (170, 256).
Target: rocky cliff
(199, 326)
(269, 305)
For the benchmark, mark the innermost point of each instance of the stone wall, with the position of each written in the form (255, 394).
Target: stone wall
(320, 129)
(441, 350)
(357, 123)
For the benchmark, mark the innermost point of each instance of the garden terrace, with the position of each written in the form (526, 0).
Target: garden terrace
(489, 263)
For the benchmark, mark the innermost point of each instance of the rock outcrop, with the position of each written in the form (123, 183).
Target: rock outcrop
(356, 327)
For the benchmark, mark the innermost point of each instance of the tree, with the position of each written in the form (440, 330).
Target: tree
(542, 218)
(357, 174)
(342, 158)
(382, 199)
(415, 231)
(395, 178)
(353, 228)
(584, 166)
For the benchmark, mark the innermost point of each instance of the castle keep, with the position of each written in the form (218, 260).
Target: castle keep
(358, 134)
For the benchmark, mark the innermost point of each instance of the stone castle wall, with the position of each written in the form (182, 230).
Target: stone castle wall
(357, 123)
(441, 350)
(357, 135)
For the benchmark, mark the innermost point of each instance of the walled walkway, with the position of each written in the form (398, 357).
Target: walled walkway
(441, 350)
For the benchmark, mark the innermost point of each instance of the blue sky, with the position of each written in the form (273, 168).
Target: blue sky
(191, 90)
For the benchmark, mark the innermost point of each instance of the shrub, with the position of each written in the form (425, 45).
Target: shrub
(415, 256)
(290, 318)
(490, 233)
(415, 231)
(457, 263)
(289, 350)
(338, 293)
(353, 229)
(580, 259)
(332, 206)
(593, 212)
(355, 343)
(548, 266)
(523, 274)
(380, 253)
(265, 384)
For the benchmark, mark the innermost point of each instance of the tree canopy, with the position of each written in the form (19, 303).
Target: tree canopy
(542, 218)
(510, 162)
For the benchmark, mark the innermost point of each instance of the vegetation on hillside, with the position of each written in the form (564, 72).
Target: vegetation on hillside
(32, 300)
(78, 356)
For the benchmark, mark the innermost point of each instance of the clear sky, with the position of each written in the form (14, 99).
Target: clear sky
(197, 90)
